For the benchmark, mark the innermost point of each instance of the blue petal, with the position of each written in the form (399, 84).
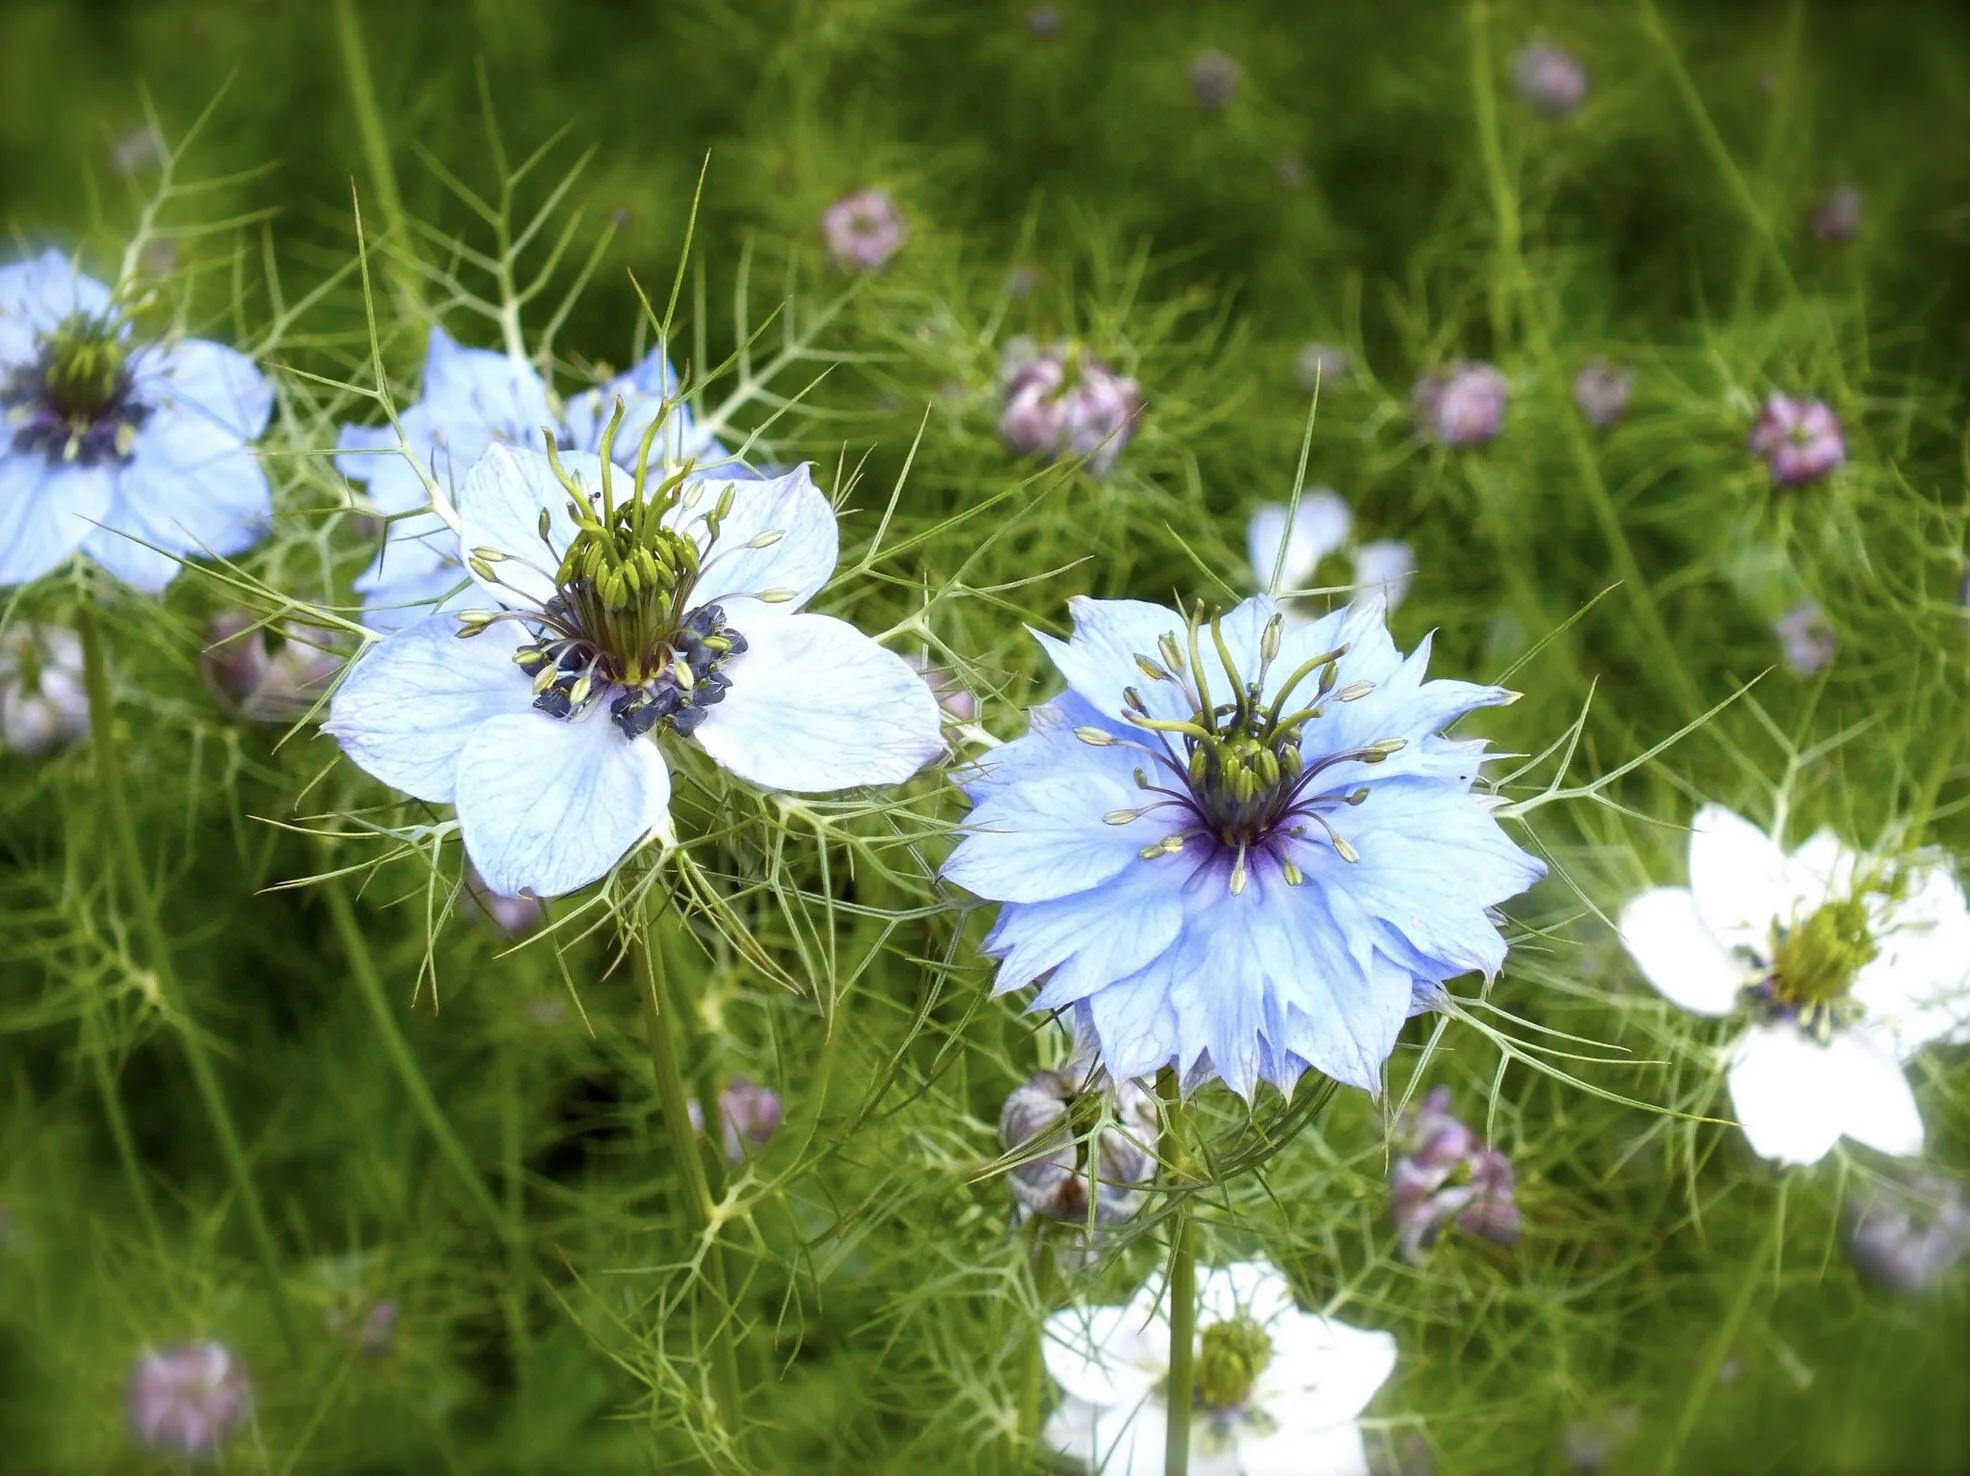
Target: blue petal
(214, 383)
(189, 488)
(411, 704)
(478, 388)
(375, 456)
(1099, 662)
(46, 510)
(548, 806)
(35, 295)
(1078, 939)
(500, 507)
(796, 524)
(416, 574)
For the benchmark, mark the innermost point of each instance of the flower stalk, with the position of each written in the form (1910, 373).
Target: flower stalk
(1183, 1286)
(157, 950)
(688, 1159)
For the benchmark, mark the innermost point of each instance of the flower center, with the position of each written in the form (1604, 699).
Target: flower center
(76, 401)
(1814, 964)
(1241, 781)
(1232, 1356)
(620, 626)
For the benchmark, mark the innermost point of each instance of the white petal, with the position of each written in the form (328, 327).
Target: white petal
(1664, 934)
(800, 542)
(1782, 1090)
(1323, 1372)
(1387, 567)
(1320, 527)
(1106, 1355)
(1253, 1289)
(499, 508)
(407, 710)
(1917, 987)
(817, 706)
(1876, 1101)
(36, 294)
(45, 513)
(1743, 882)
(547, 805)
(1337, 1450)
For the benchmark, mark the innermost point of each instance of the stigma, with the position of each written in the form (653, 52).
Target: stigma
(76, 402)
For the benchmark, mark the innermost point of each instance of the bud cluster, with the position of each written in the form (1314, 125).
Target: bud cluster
(1445, 1173)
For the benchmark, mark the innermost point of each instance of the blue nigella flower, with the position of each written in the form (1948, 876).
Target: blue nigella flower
(475, 399)
(608, 610)
(1238, 848)
(108, 444)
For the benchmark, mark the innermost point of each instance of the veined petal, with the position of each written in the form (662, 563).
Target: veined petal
(410, 706)
(817, 706)
(1665, 935)
(1099, 661)
(1076, 937)
(1743, 881)
(547, 806)
(500, 508)
(779, 535)
(1253, 1289)
(1134, 1020)
(374, 456)
(415, 575)
(1319, 527)
(209, 382)
(190, 488)
(45, 513)
(469, 386)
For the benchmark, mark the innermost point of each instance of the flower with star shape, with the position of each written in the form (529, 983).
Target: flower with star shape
(609, 609)
(1843, 966)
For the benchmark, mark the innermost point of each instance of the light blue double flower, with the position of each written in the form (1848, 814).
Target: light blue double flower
(1238, 847)
(474, 399)
(137, 455)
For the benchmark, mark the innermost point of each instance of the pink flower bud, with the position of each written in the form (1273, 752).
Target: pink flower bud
(959, 705)
(1214, 79)
(1461, 404)
(1799, 439)
(863, 230)
(1836, 216)
(1807, 638)
(1549, 79)
(1445, 1174)
(43, 703)
(1601, 390)
(266, 673)
(515, 915)
(1066, 404)
(189, 1399)
(748, 1114)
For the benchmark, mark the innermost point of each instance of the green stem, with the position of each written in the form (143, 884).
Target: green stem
(376, 151)
(1750, 1278)
(119, 1128)
(688, 1158)
(157, 948)
(1182, 1290)
(369, 984)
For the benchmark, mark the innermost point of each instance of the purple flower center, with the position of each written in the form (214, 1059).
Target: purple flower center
(77, 401)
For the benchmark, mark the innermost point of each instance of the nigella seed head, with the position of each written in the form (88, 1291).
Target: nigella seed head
(1082, 1146)
(76, 402)
(1601, 390)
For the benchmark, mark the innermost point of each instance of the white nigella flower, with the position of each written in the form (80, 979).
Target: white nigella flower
(1276, 1391)
(612, 609)
(1321, 525)
(1847, 965)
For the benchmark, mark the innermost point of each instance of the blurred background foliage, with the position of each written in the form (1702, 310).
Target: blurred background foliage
(1372, 183)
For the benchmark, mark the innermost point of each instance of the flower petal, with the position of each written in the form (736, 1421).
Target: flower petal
(415, 575)
(500, 507)
(1743, 882)
(1782, 1088)
(1323, 1372)
(1665, 935)
(547, 806)
(45, 513)
(1385, 567)
(209, 382)
(494, 393)
(35, 295)
(1106, 1355)
(190, 488)
(410, 706)
(1253, 1289)
(1319, 527)
(1076, 938)
(817, 706)
(788, 517)
(1293, 1450)
(1917, 987)
(1878, 1103)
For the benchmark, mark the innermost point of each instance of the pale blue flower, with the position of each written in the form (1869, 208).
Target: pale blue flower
(1273, 886)
(475, 399)
(541, 727)
(136, 454)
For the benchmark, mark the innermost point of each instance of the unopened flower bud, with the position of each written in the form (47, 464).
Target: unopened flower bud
(1214, 79)
(863, 231)
(1799, 439)
(1909, 1235)
(1461, 404)
(266, 673)
(1807, 638)
(1549, 79)
(373, 1332)
(1065, 403)
(1068, 1160)
(748, 1114)
(1601, 390)
(1836, 216)
(1445, 1174)
(43, 703)
(515, 915)
(957, 701)
(1044, 21)
(188, 1400)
